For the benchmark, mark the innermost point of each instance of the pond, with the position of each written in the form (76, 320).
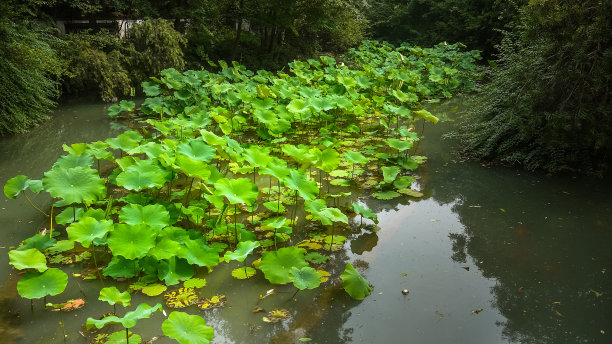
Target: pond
(488, 255)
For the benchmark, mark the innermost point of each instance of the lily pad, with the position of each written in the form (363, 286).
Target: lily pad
(195, 283)
(154, 289)
(385, 195)
(277, 315)
(305, 278)
(181, 298)
(215, 301)
(277, 265)
(153, 215)
(244, 272)
(88, 229)
(354, 284)
(34, 285)
(187, 329)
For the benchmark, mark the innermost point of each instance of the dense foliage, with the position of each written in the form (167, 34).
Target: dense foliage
(548, 104)
(219, 171)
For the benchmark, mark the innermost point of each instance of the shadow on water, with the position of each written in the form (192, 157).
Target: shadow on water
(488, 255)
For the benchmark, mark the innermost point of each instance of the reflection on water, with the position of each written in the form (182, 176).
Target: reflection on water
(489, 255)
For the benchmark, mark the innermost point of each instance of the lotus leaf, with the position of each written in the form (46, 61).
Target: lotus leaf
(143, 174)
(410, 192)
(88, 229)
(181, 298)
(15, 186)
(192, 168)
(126, 141)
(241, 190)
(28, 259)
(354, 284)
(166, 248)
(69, 215)
(121, 267)
(154, 215)
(200, 254)
(131, 242)
(129, 320)
(113, 296)
(37, 241)
(119, 338)
(257, 156)
(385, 195)
(74, 160)
(298, 181)
(390, 173)
(365, 212)
(215, 301)
(400, 145)
(197, 150)
(244, 272)
(154, 289)
(187, 329)
(195, 283)
(328, 159)
(34, 285)
(316, 258)
(243, 249)
(403, 182)
(305, 278)
(74, 185)
(275, 207)
(277, 315)
(276, 265)
(174, 270)
(426, 115)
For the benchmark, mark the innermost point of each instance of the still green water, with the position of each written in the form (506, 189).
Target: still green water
(488, 255)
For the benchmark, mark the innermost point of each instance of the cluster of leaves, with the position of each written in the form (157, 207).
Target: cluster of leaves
(548, 103)
(181, 194)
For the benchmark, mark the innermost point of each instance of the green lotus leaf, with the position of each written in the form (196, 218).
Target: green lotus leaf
(192, 168)
(298, 181)
(166, 248)
(305, 278)
(409, 164)
(88, 229)
(330, 215)
(297, 106)
(143, 174)
(410, 192)
(69, 215)
(75, 148)
(150, 89)
(121, 267)
(195, 283)
(28, 259)
(403, 182)
(277, 169)
(400, 145)
(390, 173)
(155, 216)
(114, 110)
(34, 285)
(258, 156)
(154, 289)
(197, 150)
(131, 242)
(15, 186)
(243, 249)
(341, 182)
(198, 253)
(152, 149)
(328, 159)
(274, 223)
(426, 115)
(385, 195)
(37, 241)
(61, 246)
(339, 173)
(301, 154)
(354, 284)
(276, 265)
(174, 270)
(316, 258)
(275, 207)
(74, 185)
(113, 296)
(126, 141)
(365, 212)
(73, 160)
(244, 272)
(187, 329)
(241, 190)
(119, 338)
(356, 158)
(129, 320)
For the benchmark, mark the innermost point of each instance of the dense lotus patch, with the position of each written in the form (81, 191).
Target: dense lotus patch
(232, 165)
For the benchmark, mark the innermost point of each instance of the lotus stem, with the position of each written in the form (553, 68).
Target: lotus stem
(127, 336)
(32, 204)
(188, 191)
(51, 222)
(63, 328)
(292, 296)
(236, 223)
(331, 243)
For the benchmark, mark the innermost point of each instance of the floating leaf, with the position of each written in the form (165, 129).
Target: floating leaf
(316, 258)
(181, 298)
(119, 338)
(113, 296)
(154, 289)
(243, 249)
(194, 283)
(390, 173)
(28, 259)
(277, 315)
(354, 284)
(74, 185)
(244, 272)
(215, 301)
(305, 278)
(34, 285)
(67, 306)
(385, 195)
(410, 192)
(187, 329)
(276, 265)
